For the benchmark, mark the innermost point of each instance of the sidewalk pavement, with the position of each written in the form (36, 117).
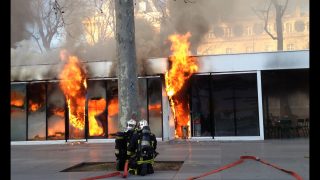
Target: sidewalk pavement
(44, 162)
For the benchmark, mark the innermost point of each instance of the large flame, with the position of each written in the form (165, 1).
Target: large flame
(95, 107)
(182, 67)
(73, 85)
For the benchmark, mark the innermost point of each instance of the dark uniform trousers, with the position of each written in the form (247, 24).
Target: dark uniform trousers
(121, 143)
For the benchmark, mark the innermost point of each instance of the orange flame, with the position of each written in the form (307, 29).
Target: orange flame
(57, 129)
(113, 108)
(182, 67)
(16, 99)
(154, 107)
(58, 112)
(73, 85)
(95, 107)
(33, 106)
(56, 126)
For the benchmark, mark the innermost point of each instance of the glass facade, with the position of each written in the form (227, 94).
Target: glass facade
(113, 106)
(221, 105)
(18, 120)
(224, 105)
(200, 105)
(285, 96)
(142, 95)
(97, 109)
(235, 105)
(246, 105)
(56, 118)
(155, 105)
(36, 111)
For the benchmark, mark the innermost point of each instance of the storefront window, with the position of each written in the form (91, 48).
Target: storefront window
(200, 106)
(55, 112)
(36, 111)
(155, 105)
(246, 105)
(18, 112)
(113, 107)
(235, 105)
(223, 105)
(97, 109)
(142, 101)
(285, 96)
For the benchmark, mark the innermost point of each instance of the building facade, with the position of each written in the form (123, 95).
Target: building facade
(248, 35)
(231, 97)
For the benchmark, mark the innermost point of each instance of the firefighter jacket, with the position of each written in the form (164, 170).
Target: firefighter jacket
(121, 143)
(142, 146)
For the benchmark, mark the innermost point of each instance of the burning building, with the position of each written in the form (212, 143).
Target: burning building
(234, 97)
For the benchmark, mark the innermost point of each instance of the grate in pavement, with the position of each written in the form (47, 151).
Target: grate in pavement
(110, 166)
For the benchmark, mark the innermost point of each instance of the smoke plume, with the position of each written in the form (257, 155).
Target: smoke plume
(176, 16)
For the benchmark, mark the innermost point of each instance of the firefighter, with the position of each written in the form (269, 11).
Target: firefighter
(142, 150)
(122, 139)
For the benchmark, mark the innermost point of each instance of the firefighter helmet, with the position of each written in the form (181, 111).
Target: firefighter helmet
(131, 124)
(143, 123)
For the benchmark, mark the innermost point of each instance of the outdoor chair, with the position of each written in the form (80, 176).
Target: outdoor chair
(302, 127)
(286, 128)
(307, 126)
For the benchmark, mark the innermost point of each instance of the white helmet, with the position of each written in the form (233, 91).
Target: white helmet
(143, 123)
(131, 124)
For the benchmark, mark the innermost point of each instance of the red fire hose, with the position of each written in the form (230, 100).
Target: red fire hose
(241, 160)
(117, 173)
(103, 176)
(125, 171)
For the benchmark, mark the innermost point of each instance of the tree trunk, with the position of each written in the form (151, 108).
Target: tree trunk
(126, 57)
(279, 27)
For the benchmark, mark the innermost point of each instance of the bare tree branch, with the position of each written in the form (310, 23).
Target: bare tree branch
(37, 40)
(284, 8)
(266, 23)
(265, 17)
(259, 15)
(59, 11)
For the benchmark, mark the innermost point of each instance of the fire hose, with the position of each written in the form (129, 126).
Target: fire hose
(241, 160)
(113, 174)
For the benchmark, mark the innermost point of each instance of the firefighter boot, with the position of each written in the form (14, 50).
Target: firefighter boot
(144, 169)
(150, 169)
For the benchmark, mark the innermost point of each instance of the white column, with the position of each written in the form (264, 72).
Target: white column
(168, 123)
(260, 105)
